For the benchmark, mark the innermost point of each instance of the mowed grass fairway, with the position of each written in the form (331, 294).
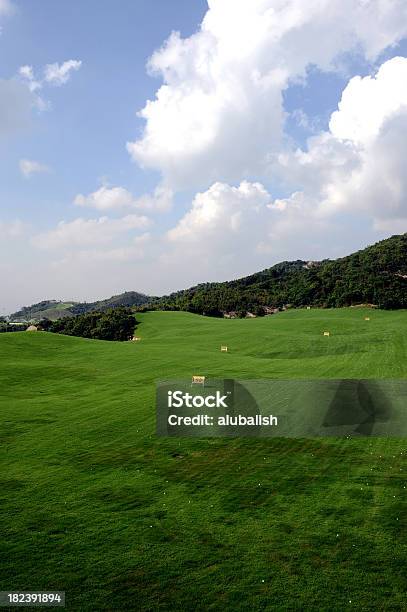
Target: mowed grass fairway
(93, 503)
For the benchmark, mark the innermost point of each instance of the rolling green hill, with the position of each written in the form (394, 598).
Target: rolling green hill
(375, 275)
(93, 503)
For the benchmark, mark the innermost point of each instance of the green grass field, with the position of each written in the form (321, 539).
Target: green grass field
(93, 503)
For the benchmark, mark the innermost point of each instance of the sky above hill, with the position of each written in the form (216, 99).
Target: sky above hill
(150, 145)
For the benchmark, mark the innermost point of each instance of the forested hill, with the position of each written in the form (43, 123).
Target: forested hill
(128, 299)
(375, 275)
(54, 310)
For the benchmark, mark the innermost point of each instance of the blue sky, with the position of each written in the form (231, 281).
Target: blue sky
(257, 145)
(83, 138)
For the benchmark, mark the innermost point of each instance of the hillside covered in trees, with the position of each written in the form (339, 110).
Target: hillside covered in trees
(54, 310)
(375, 275)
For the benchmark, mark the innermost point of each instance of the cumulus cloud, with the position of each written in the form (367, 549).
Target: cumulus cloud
(224, 225)
(231, 231)
(109, 198)
(28, 167)
(59, 74)
(219, 113)
(349, 180)
(370, 101)
(359, 164)
(83, 232)
(378, 185)
(160, 200)
(221, 213)
(106, 198)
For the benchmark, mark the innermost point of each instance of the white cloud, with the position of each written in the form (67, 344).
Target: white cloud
(27, 73)
(349, 181)
(222, 213)
(54, 74)
(106, 198)
(83, 232)
(28, 167)
(59, 74)
(110, 198)
(378, 185)
(26, 88)
(348, 190)
(220, 233)
(231, 231)
(160, 200)
(359, 165)
(219, 114)
(368, 102)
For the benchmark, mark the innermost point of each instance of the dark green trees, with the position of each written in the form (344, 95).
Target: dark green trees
(113, 324)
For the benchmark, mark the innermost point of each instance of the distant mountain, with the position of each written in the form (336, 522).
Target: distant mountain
(53, 310)
(128, 298)
(376, 275)
(50, 309)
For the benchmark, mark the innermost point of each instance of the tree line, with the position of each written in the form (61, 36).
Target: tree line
(114, 324)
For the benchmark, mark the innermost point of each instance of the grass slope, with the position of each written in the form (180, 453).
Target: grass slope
(94, 504)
